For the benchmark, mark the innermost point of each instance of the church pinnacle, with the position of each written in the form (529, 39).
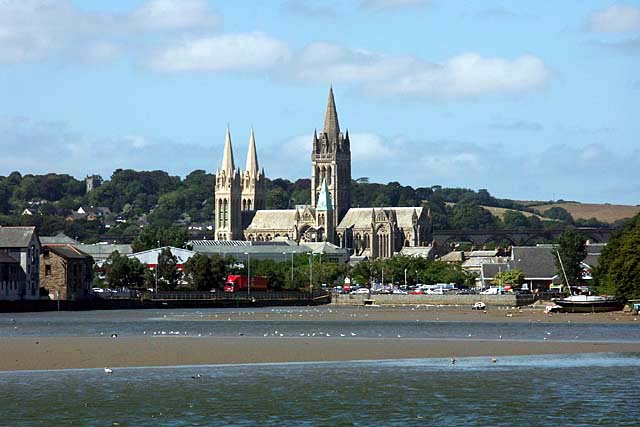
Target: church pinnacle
(227, 157)
(331, 125)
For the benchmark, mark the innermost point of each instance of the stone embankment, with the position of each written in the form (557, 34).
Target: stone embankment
(465, 300)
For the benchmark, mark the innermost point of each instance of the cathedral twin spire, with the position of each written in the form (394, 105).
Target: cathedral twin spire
(228, 163)
(237, 191)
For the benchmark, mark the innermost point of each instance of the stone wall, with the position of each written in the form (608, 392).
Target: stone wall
(65, 279)
(490, 300)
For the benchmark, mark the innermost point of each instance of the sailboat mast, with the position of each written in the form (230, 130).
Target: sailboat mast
(566, 281)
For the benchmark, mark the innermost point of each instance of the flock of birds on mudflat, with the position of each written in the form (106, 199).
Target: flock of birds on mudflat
(282, 313)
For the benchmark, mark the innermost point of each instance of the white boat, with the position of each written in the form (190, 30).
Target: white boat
(586, 303)
(589, 303)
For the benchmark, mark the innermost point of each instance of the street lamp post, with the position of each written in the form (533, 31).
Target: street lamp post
(157, 265)
(285, 254)
(310, 273)
(405, 277)
(248, 273)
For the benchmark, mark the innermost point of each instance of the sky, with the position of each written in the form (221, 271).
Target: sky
(530, 100)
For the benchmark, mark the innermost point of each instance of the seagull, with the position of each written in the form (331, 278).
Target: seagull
(114, 335)
(353, 334)
(494, 360)
(108, 371)
(196, 377)
(453, 360)
(547, 332)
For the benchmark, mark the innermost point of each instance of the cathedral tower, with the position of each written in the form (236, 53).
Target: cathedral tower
(227, 196)
(331, 162)
(252, 180)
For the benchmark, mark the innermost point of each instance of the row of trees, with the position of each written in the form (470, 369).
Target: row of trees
(203, 272)
(412, 269)
(200, 272)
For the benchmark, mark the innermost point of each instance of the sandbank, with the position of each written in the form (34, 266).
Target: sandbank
(95, 352)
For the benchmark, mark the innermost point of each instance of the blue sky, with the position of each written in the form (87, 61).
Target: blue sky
(529, 99)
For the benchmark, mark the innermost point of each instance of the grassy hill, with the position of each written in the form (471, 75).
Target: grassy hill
(499, 212)
(602, 212)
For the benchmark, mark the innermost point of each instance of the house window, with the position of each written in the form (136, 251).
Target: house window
(47, 270)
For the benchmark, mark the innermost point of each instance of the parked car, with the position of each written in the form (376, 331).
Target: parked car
(97, 290)
(361, 291)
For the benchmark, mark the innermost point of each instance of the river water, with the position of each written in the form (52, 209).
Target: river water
(549, 390)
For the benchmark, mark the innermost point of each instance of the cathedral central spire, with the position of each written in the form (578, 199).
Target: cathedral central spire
(227, 157)
(331, 125)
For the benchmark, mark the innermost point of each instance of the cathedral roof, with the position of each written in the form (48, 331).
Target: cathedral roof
(273, 219)
(331, 125)
(362, 217)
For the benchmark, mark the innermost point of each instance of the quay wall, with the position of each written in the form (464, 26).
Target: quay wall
(170, 302)
(490, 300)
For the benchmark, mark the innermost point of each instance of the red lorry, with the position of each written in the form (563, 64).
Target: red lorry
(237, 283)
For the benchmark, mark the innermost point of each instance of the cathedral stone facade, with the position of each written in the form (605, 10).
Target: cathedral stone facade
(370, 232)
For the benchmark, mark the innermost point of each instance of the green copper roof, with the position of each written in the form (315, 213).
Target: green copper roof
(324, 200)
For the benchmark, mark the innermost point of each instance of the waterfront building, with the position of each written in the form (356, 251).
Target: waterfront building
(12, 278)
(23, 245)
(66, 272)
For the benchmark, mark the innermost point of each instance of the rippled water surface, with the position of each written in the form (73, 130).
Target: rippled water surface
(230, 322)
(572, 390)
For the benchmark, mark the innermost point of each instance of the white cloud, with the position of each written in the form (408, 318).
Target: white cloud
(33, 30)
(371, 146)
(615, 19)
(382, 5)
(62, 150)
(174, 15)
(468, 74)
(221, 53)
(308, 8)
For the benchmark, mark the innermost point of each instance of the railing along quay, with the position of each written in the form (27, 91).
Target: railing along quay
(218, 296)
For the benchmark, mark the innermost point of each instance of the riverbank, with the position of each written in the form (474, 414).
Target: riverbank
(95, 352)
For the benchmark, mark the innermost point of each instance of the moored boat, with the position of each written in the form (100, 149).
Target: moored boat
(589, 303)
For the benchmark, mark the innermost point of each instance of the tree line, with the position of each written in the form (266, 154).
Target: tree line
(138, 199)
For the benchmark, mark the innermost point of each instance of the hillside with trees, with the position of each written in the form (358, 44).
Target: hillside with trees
(130, 201)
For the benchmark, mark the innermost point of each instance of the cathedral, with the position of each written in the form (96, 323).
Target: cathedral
(240, 212)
